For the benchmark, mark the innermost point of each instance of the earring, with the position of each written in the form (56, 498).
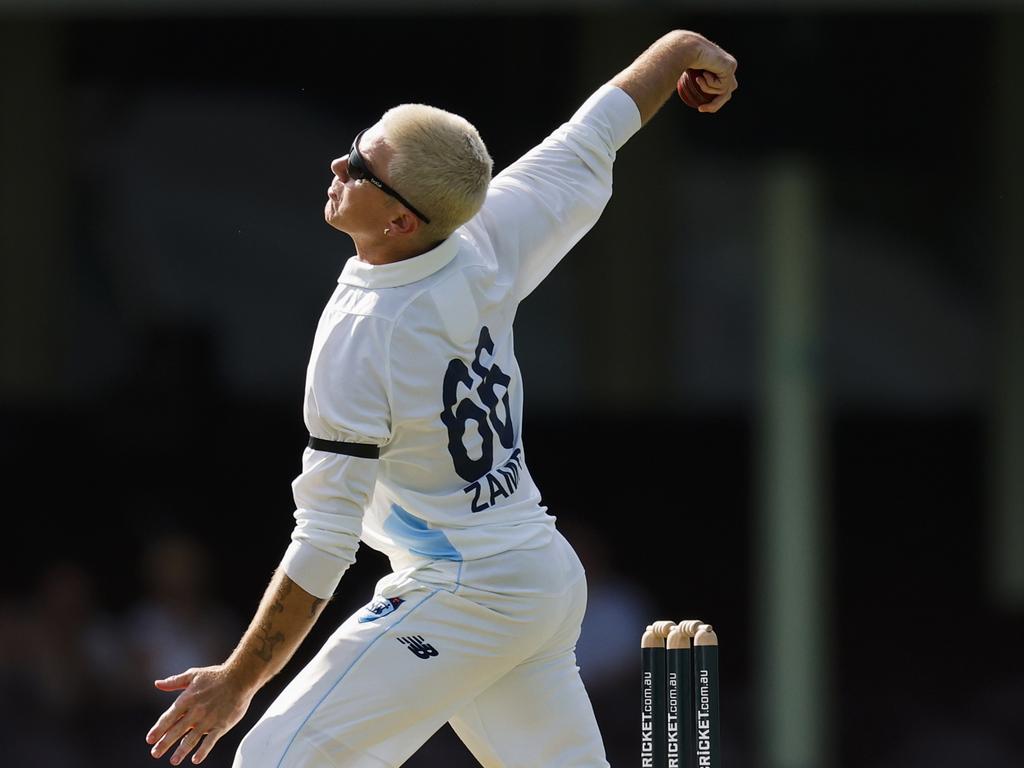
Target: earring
(386, 231)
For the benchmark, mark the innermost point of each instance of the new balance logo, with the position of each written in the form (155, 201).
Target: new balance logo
(418, 646)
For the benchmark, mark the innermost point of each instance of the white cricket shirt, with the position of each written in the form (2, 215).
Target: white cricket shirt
(417, 357)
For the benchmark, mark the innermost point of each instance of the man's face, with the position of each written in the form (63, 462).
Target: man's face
(358, 207)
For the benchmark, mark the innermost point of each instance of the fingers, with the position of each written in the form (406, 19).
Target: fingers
(174, 713)
(188, 743)
(719, 86)
(171, 725)
(191, 734)
(175, 682)
(717, 61)
(167, 719)
(716, 104)
(177, 729)
(198, 717)
(211, 738)
(711, 83)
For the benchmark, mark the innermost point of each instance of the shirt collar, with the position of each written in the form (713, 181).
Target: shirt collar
(364, 275)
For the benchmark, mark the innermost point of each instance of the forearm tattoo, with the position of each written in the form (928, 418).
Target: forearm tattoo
(266, 638)
(317, 602)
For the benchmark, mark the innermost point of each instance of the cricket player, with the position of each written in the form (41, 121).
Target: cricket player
(414, 406)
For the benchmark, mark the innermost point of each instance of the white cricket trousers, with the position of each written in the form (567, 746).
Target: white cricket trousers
(486, 645)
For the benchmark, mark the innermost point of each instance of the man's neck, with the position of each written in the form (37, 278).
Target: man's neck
(389, 250)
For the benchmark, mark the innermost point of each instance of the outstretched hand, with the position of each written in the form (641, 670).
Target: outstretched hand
(211, 704)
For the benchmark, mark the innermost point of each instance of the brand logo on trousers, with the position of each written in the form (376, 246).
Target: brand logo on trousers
(419, 646)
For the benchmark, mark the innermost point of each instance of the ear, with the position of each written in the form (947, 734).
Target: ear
(404, 223)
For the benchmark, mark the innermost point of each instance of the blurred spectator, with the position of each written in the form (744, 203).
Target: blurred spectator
(174, 626)
(59, 664)
(177, 625)
(608, 651)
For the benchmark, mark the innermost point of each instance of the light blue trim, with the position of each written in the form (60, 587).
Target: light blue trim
(458, 579)
(347, 670)
(418, 537)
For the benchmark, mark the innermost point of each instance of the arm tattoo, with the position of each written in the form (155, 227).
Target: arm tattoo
(317, 602)
(266, 640)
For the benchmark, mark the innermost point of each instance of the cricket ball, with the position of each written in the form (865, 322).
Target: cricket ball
(689, 91)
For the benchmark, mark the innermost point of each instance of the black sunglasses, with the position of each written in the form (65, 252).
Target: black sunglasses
(358, 170)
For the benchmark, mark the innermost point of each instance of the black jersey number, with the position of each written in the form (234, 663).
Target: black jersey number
(458, 413)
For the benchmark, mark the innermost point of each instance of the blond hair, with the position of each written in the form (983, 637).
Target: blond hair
(439, 163)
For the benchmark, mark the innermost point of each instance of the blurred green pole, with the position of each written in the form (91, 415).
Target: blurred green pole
(1006, 528)
(793, 572)
(35, 212)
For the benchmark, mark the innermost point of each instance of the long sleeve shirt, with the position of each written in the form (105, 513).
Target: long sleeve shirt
(417, 358)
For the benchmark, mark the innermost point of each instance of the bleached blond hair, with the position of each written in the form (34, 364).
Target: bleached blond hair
(439, 164)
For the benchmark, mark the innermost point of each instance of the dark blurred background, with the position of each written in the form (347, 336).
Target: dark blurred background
(780, 386)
